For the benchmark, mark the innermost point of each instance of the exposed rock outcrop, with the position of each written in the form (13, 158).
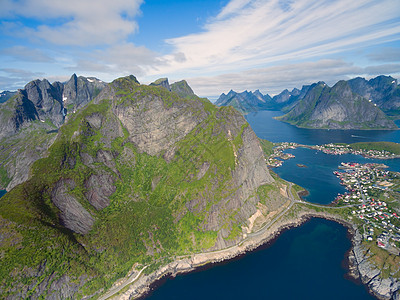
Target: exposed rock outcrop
(38, 109)
(72, 214)
(382, 90)
(383, 288)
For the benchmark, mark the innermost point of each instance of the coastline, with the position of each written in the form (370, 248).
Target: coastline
(195, 262)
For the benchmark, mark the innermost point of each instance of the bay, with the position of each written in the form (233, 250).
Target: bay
(303, 263)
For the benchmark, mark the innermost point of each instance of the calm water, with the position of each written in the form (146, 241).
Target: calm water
(303, 263)
(275, 131)
(2, 192)
(318, 177)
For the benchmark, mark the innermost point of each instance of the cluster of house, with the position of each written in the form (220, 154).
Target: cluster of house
(275, 160)
(335, 149)
(362, 182)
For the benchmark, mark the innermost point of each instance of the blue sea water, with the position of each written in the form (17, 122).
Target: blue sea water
(304, 262)
(275, 131)
(318, 177)
(2, 193)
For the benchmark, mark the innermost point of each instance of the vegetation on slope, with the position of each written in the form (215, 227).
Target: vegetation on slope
(159, 209)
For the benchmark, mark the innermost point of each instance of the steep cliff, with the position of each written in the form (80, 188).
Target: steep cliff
(382, 90)
(138, 175)
(336, 108)
(29, 120)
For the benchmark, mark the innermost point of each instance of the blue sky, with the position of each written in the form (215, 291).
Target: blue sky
(215, 45)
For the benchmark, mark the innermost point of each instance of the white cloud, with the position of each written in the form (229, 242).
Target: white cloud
(121, 59)
(76, 22)
(22, 53)
(12, 79)
(387, 54)
(254, 33)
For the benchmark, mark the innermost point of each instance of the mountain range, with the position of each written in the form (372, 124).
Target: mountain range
(352, 104)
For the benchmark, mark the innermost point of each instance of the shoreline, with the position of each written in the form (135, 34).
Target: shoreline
(144, 286)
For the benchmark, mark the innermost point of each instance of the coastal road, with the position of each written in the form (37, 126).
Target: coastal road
(113, 291)
(116, 289)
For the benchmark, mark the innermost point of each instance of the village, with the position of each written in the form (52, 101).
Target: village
(339, 149)
(370, 191)
(276, 159)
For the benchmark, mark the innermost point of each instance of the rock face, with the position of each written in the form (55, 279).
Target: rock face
(41, 100)
(382, 90)
(384, 288)
(72, 214)
(38, 110)
(246, 101)
(79, 91)
(336, 108)
(139, 173)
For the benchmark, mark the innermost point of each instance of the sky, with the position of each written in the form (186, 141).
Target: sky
(215, 45)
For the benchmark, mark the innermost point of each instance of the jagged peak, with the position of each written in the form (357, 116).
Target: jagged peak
(182, 88)
(162, 82)
(126, 79)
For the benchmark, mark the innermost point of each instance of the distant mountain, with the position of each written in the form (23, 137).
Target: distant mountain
(5, 95)
(29, 121)
(336, 108)
(286, 100)
(382, 90)
(245, 102)
(40, 100)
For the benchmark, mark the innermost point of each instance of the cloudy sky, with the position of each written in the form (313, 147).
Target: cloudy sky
(215, 45)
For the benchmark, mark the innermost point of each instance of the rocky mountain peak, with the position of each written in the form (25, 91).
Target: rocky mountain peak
(163, 82)
(182, 88)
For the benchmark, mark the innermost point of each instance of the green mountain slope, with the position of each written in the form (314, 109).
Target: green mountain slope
(138, 176)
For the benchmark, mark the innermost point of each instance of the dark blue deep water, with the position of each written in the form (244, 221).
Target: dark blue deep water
(2, 192)
(304, 262)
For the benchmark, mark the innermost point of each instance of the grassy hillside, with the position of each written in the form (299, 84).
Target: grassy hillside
(160, 208)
